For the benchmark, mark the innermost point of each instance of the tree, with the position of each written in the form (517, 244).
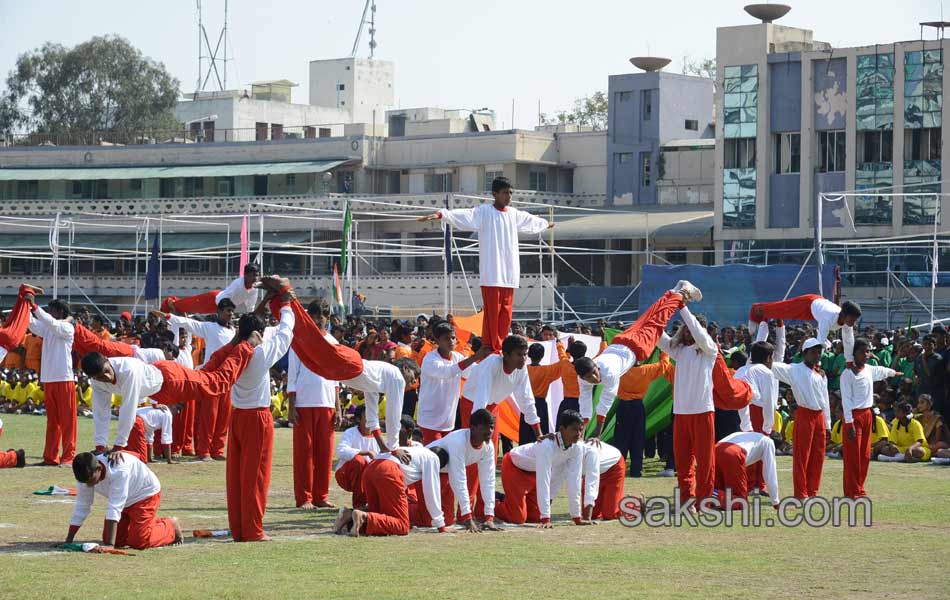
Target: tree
(104, 85)
(702, 67)
(589, 111)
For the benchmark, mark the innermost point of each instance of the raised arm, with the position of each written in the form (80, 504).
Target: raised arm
(779, 354)
(704, 342)
(782, 372)
(60, 328)
(466, 219)
(665, 344)
(279, 344)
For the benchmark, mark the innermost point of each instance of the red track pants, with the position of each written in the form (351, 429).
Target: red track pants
(694, 439)
(808, 451)
(641, 337)
(857, 453)
(731, 470)
(313, 454)
(248, 471)
(60, 405)
(497, 305)
(139, 528)
(387, 507)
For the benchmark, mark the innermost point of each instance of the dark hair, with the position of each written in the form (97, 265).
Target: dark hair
(549, 328)
(760, 352)
(500, 183)
(536, 352)
(407, 364)
(739, 357)
(318, 308)
(84, 466)
(569, 418)
(481, 417)
(61, 305)
(248, 324)
(850, 309)
(441, 329)
(358, 412)
(252, 267)
(93, 364)
(583, 366)
(169, 348)
(226, 303)
(442, 454)
(407, 423)
(906, 407)
(861, 344)
(577, 349)
(513, 343)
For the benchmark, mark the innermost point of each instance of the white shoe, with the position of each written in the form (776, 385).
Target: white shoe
(667, 473)
(689, 291)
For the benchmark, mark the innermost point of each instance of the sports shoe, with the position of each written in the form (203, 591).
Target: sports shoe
(689, 291)
(667, 473)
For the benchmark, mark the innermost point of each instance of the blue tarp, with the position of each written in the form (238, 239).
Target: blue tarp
(730, 290)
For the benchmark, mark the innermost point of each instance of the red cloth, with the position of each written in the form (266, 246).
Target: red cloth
(729, 393)
(694, 438)
(60, 405)
(497, 305)
(471, 471)
(203, 304)
(641, 337)
(138, 528)
(138, 443)
(7, 459)
(808, 451)
(793, 309)
(419, 513)
(248, 471)
(387, 507)
(731, 471)
(335, 362)
(610, 491)
(521, 498)
(15, 325)
(85, 342)
(313, 454)
(756, 480)
(350, 479)
(431, 435)
(857, 453)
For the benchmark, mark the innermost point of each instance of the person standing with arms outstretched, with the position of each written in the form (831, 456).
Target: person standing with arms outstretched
(498, 226)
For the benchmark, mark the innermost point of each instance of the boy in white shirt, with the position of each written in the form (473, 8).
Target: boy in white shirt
(603, 471)
(810, 307)
(736, 454)
(357, 446)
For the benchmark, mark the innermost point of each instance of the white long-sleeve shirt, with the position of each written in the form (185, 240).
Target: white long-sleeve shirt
(758, 448)
(377, 378)
(499, 261)
(439, 386)
(423, 467)
(692, 383)
(245, 299)
(214, 334)
(134, 381)
(616, 360)
(826, 314)
(857, 391)
(552, 466)
(126, 483)
(809, 386)
(312, 390)
(461, 454)
(56, 360)
(185, 357)
(147, 355)
(598, 459)
(351, 443)
(155, 419)
(763, 383)
(252, 389)
(488, 384)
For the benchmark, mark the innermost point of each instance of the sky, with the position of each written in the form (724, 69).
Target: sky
(447, 53)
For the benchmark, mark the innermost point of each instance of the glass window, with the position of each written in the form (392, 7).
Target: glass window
(831, 151)
(646, 104)
(538, 181)
(788, 155)
(490, 176)
(645, 170)
(691, 125)
(624, 96)
(923, 88)
(740, 101)
(624, 157)
(739, 153)
(738, 207)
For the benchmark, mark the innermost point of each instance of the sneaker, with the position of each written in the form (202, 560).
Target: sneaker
(667, 473)
(689, 291)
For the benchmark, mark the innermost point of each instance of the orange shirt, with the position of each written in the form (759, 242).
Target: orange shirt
(542, 376)
(13, 359)
(104, 334)
(197, 348)
(427, 347)
(572, 389)
(402, 351)
(34, 351)
(636, 381)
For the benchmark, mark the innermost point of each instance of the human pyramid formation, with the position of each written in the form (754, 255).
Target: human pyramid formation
(395, 482)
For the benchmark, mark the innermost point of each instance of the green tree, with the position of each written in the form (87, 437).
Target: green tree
(102, 88)
(589, 111)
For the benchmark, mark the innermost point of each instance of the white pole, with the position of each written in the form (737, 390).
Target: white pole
(934, 267)
(135, 284)
(54, 246)
(887, 299)
(445, 266)
(820, 257)
(161, 227)
(227, 254)
(540, 277)
(260, 252)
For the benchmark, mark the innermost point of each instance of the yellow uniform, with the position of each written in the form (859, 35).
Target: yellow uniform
(788, 431)
(879, 430)
(38, 395)
(836, 432)
(278, 407)
(777, 421)
(116, 401)
(21, 393)
(86, 397)
(905, 437)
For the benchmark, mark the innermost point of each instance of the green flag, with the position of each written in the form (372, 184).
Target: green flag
(345, 242)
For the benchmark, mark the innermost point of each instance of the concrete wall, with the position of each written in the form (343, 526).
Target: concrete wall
(367, 83)
(785, 74)
(237, 113)
(587, 151)
(688, 176)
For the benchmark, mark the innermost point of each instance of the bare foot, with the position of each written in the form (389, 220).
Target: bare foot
(359, 521)
(179, 535)
(325, 504)
(274, 283)
(264, 538)
(37, 290)
(343, 520)
(307, 506)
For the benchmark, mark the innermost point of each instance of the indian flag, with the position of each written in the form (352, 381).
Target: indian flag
(338, 291)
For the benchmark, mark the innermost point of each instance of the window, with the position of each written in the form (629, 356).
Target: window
(676, 256)
(740, 101)
(260, 131)
(135, 185)
(923, 88)
(874, 96)
(440, 182)
(624, 157)
(490, 176)
(538, 181)
(788, 155)
(225, 186)
(340, 87)
(738, 198)
(646, 165)
(276, 131)
(691, 125)
(309, 132)
(646, 104)
(831, 146)
(291, 180)
(739, 153)
(624, 96)
(194, 187)
(875, 146)
(28, 190)
(325, 132)
(922, 144)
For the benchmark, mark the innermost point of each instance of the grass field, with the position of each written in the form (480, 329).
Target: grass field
(902, 554)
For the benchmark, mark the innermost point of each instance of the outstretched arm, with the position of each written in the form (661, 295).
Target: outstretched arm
(704, 342)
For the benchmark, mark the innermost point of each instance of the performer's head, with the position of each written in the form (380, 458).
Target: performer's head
(249, 324)
(359, 417)
(409, 370)
(761, 353)
(225, 311)
(98, 367)
(737, 359)
(481, 426)
(406, 427)
(445, 337)
(570, 424)
(319, 311)
(58, 309)
(251, 273)
(501, 191)
(514, 352)
(577, 349)
(87, 469)
(442, 454)
(587, 370)
(850, 313)
(548, 333)
(536, 353)
(169, 349)
(684, 337)
(811, 351)
(862, 351)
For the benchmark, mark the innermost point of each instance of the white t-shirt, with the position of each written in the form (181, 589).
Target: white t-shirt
(439, 386)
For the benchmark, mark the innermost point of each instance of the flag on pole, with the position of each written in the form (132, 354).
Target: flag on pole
(338, 291)
(151, 272)
(345, 242)
(448, 242)
(244, 246)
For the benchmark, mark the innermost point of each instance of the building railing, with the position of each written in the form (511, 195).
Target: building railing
(187, 135)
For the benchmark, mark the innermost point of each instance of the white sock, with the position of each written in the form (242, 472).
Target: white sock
(886, 458)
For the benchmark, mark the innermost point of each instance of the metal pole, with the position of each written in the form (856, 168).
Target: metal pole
(161, 226)
(445, 265)
(54, 246)
(887, 299)
(934, 267)
(227, 254)
(135, 294)
(551, 242)
(819, 256)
